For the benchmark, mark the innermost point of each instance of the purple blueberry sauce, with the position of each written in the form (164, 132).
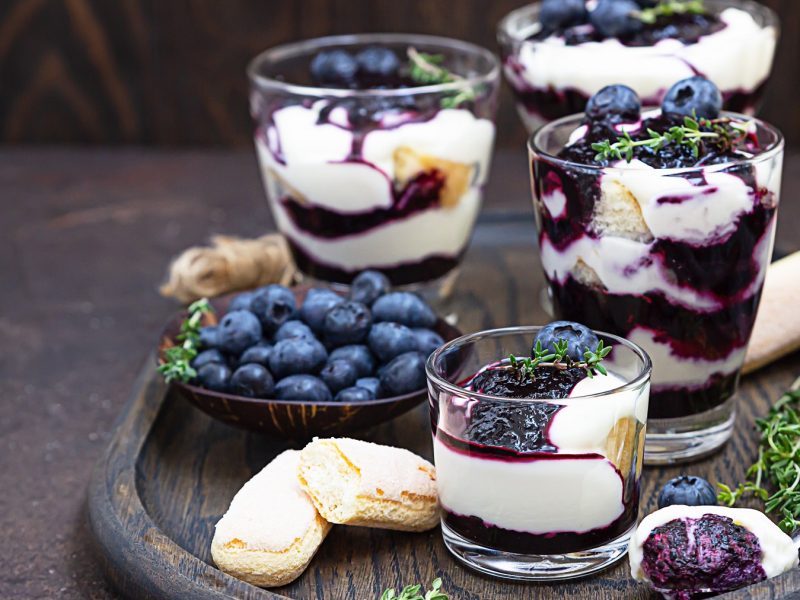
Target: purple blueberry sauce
(688, 557)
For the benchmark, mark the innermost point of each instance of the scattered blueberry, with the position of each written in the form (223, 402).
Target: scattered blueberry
(360, 356)
(371, 384)
(579, 337)
(214, 376)
(368, 286)
(613, 18)
(387, 340)
(207, 357)
(241, 301)
(238, 330)
(274, 305)
(404, 374)
(405, 308)
(258, 354)
(693, 96)
(427, 340)
(303, 387)
(558, 14)
(297, 355)
(316, 305)
(352, 395)
(339, 374)
(209, 337)
(616, 103)
(252, 381)
(347, 323)
(293, 328)
(377, 63)
(688, 490)
(336, 68)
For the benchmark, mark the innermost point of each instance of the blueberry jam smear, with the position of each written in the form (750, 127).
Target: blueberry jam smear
(520, 427)
(549, 383)
(688, 557)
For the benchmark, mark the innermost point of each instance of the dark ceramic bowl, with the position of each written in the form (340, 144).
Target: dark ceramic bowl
(291, 419)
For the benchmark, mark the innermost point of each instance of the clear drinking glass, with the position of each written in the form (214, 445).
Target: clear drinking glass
(552, 79)
(381, 178)
(672, 259)
(537, 489)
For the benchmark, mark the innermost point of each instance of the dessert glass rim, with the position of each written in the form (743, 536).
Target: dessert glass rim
(635, 383)
(294, 49)
(775, 146)
(764, 16)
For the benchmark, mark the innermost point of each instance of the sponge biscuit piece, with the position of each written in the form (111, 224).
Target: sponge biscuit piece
(617, 213)
(271, 530)
(352, 482)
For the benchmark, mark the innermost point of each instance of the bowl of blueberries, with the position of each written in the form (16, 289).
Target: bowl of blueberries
(305, 361)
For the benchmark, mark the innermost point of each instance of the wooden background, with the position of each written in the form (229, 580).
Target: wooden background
(171, 72)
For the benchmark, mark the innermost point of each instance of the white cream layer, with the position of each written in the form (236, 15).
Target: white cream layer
(738, 57)
(779, 553)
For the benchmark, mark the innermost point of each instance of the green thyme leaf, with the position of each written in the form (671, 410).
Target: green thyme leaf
(177, 359)
(428, 69)
(668, 8)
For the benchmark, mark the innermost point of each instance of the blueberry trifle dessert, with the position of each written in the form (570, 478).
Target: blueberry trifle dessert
(538, 455)
(658, 225)
(558, 53)
(369, 142)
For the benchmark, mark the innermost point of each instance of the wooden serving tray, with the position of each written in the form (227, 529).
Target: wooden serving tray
(170, 472)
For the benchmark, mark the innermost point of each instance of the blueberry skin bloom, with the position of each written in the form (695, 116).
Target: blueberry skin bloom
(252, 381)
(296, 356)
(293, 328)
(615, 103)
(578, 337)
(693, 96)
(334, 68)
(404, 374)
(207, 357)
(377, 62)
(556, 14)
(405, 308)
(316, 305)
(387, 340)
(353, 395)
(339, 374)
(305, 388)
(214, 377)
(258, 354)
(614, 18)
(689, 490)
(357, 354)
(237, 331)
(347, 323)
(368, 286)
(274, 305)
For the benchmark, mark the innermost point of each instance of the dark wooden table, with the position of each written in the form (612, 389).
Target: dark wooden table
(85, 237)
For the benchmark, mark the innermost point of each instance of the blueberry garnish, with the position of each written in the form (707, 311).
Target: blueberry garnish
(258, 354)
(359, 355)
(273, 305)
(371, 384)
(207, 357)
(688, 490)
(339, 374)
(297, 355)
(405, 308)
(614, 18)
(579, 338)
(214, 376)
(334, 68)
(303, 387)
(404, 374)
(347, 323)
(695, 96)
(377, 64)
(316, 305)
(368, 286)
(252, 381)
(427, 340)
(614, 103)
(387, 340)
(558, 14)
(293, 328)
(238, 330)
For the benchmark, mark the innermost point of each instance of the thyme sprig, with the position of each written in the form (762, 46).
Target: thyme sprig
(177, 365)
(427, 69)
(557, 358)
(669, 8)
(414, 592)
(723, 133)
(778, 464)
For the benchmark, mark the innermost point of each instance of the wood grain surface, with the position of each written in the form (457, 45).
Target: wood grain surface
(156, 72)
(163, 484)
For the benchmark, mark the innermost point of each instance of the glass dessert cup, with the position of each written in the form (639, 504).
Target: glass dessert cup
(672, 259)
(537, 489)
(551, 79)
(381, 178)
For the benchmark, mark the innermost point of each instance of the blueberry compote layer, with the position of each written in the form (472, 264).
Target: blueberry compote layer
(711, 554)
(689, 297)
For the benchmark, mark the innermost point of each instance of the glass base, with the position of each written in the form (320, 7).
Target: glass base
(535, 567)
(671, 441)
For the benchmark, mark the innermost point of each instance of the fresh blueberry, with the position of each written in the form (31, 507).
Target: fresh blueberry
(347, 323)
(368, 286)
(273, 305)
(404, 374)
(316, 305)
(207, 357)
(579, 338)
(214, 376)
(241, 301)
(293, 328)
(688, 490)
(333, 68)
(297, 355)
(303, 387)
(405, 308)
(252, 381)
(371, 384)
(693, 96)
(427, 340)
(353, 395)
(358, 355)
(209, 337)
(387, 340)
(613, 18)
(258, 354)
(339, 374)
(238, 330)
(615, 103)
(558, 14)
(377, 63)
